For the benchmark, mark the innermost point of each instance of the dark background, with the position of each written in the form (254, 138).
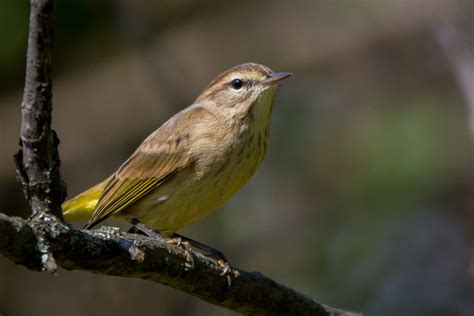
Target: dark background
(365, 199)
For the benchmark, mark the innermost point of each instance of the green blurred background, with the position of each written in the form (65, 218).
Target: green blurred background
(365, 199)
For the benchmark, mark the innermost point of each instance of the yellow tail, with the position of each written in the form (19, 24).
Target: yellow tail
(81, 207)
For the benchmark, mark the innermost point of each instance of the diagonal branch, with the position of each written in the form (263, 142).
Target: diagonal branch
(99, 251)
(455, 39)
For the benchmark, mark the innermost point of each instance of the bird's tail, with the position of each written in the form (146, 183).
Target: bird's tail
(81, 207)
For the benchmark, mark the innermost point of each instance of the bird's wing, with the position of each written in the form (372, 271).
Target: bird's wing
(157, 159)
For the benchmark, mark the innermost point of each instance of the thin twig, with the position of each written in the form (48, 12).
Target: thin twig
(38, 159)
(37, 162)
(455, 37)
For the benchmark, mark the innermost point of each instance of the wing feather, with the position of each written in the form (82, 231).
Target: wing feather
(157, 159)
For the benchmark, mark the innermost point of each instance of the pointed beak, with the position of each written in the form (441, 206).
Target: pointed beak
(276, 77)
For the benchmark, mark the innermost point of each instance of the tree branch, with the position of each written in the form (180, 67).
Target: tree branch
(38, 159)
(99, 251)
(455, 39)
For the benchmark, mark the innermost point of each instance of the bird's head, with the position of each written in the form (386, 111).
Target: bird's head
(238, 89)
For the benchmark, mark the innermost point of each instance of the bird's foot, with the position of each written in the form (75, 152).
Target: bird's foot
(227, 270)
(174, 241)
(185, 246)
(214, 254)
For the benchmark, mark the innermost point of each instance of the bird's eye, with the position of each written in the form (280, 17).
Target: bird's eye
(236, 83)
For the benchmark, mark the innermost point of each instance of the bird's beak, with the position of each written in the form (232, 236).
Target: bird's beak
(276, 77)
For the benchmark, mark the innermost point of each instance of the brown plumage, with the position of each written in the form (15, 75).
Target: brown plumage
(196, 161)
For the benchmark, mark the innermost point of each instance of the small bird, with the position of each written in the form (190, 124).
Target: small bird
(194, 162)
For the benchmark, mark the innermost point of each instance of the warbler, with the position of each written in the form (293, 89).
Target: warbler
(194, 162)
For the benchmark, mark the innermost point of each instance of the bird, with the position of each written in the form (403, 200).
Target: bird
(194, 162)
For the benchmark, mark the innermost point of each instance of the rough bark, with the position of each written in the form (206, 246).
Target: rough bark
(99, 251)
(38, 159)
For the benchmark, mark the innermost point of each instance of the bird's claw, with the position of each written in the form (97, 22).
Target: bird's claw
(228, 271)
(186, 247)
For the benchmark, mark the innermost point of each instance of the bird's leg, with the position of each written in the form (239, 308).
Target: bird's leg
(213, 253)
(176, 241)
(136, 231)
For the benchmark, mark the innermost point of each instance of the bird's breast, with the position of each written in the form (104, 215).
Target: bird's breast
(222, 170)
